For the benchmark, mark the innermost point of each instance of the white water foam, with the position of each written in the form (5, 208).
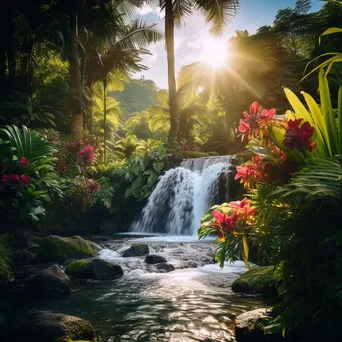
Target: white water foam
(182, 196)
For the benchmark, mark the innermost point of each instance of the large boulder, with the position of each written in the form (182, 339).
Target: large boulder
(23, 257)
(259, 280)
(26, 240)
(105, 270)
(57, 248)
(154, 259)
(136, 251)
(108, 227)
(98, 269)
(248, 327)
(45, 326)
(50, 280)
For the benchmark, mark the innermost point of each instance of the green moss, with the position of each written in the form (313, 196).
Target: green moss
(213, 154)
(194, 154)
(260, 280)
(56, 248)
(79, 269)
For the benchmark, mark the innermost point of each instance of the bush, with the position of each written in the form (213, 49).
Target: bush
(6, 249)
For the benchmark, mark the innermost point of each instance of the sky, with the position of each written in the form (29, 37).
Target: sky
(191, 37)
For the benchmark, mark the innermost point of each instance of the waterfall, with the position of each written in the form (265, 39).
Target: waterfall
(182, 196)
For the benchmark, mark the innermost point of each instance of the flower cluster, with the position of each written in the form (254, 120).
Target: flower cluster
(255, 171)
(73, 146)
(87, 155)
(13, 178)
(239, 215)
(189, 148)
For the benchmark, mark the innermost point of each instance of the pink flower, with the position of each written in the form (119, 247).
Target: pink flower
(268, 114)
(5, 178)
(23, 162)
(87, 154)
(299, 137)
(24, 179)
(14, 177)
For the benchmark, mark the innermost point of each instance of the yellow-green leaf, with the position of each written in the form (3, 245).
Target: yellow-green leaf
(245, 251)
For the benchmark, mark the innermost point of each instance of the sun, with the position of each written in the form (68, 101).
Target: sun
(215, 52)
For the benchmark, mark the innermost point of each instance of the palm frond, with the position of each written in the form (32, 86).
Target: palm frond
(217, 12)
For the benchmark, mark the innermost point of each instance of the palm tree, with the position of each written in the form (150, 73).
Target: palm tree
(100, 37)
(217, 13)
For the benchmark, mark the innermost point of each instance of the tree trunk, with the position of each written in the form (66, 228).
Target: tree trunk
(170, 48)
(12, 65)
(104, 118)
(75, 81)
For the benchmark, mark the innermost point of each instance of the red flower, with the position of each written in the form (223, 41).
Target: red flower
(23, 162)
(14, 177)
(225, 222)
(5, 178)
(87, 154)
(299, 137)
(93, 187)
(24, 179)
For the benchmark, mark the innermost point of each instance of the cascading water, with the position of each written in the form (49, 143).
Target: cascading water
(182, 197)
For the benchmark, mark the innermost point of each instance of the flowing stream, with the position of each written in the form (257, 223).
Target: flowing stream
(187, 298)
(194, 302)
(182, 196)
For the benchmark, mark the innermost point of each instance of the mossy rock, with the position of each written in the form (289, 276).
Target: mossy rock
(259, 280)
(98, 269)
(194, 154)
(213, 154)
(57, 248)
(45, 326)
(79, 269)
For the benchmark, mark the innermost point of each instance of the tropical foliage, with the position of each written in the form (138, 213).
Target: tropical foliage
(295, 189)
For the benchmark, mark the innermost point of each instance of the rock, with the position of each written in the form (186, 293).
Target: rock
(45, 326)
(154, 259)
(79, 269)
(247, 328)
(136, 251)
(108, 227)
(98, 269)
(259, 280)
(23, 257)
(165, 267)
(95, 247)
(57, 248)
(26, 240)
(105, 270)
(191, 264)
(50, 280)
